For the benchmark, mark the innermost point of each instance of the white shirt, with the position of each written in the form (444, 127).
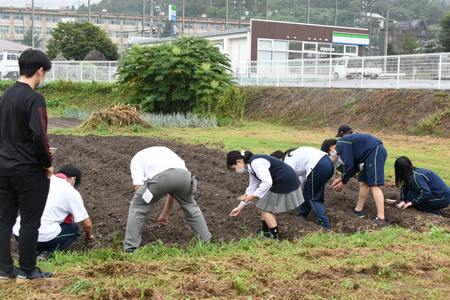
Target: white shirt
(62, 199)
(260, 167)
(151, 161)
(303, 160)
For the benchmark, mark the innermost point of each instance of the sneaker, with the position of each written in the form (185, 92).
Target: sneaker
(360, 214)
(11, 275)
(130, 250)
(44, 256)
(378, 219)
(36, 274)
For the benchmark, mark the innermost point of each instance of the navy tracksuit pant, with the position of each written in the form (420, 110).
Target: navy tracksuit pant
(431, 206)
(314, 190)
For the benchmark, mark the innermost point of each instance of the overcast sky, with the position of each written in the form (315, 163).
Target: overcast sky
(54, 4)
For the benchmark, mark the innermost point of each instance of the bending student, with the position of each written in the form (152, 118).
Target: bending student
(422, 188)
(314, 168)
(64, 209)
(272, 181)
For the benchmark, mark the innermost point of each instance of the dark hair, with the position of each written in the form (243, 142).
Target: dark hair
(71, 171)
(326, 145)
(403, 170)
(282, 155)
(234, 155)
(32, 60)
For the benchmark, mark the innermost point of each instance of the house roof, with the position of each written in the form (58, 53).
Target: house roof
(8, 46)
(405, 25)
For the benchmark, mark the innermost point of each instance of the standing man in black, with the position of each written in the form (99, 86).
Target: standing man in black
(25, 165)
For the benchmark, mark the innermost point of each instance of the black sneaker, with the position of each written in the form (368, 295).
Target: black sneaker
(4, 276)
(44, 256)
(378, 219)
(36, 274)
(360, 214)
(129, 250)
(264, 234)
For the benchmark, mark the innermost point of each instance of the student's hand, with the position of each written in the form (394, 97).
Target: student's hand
(404, 205)
(336, 182)
(163, 220)
(339, 187)
(235, 212)
(89, 238)
(248, 198)
(48, 172)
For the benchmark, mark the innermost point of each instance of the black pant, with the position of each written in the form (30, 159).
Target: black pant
(28, 194)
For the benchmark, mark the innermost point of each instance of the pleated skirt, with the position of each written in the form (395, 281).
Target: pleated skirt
(278, 203)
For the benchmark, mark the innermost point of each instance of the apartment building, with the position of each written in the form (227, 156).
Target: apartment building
(14, 22)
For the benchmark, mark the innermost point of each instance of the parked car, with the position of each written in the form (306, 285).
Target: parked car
(9, 65)
(351, 67)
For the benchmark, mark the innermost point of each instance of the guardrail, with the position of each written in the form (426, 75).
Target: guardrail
(421, 71)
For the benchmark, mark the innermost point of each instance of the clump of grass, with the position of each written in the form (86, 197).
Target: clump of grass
(179, 120)
(74, 113)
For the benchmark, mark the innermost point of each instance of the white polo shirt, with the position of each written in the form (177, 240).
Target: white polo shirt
(62, 199)
(149, 162)
(303, 160)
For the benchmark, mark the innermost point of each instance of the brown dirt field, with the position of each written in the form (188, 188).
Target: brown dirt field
(107, 190)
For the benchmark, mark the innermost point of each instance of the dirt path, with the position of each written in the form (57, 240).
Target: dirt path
(107, 190)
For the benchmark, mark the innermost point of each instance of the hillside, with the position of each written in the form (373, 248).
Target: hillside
(418, 112)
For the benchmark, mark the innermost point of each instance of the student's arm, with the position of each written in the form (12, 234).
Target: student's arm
(261, 168)
(345, 151)
(37, 122)
(164, 218)
(420, 186)
(87, 226)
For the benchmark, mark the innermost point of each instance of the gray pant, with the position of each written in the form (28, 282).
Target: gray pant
(177, 183)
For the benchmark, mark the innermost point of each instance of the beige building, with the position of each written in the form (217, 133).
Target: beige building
(14, 22)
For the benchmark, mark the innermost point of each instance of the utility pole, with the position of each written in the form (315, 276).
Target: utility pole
(335, 13)
(182, 20)
(370, 30)
(386, 28)
(267, 9)
(89, 11)
(151, 18)
(226, 15)
(307, 13)
(143, 17)
(292, 14)
(240, 6)
(32, 23)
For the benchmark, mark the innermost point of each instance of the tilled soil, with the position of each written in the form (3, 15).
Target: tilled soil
(107, 190)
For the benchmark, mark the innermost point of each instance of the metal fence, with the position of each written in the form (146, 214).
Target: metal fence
(421, 71)
(83, 71)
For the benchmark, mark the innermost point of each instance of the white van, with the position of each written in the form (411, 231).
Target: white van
(9, 65)
(351, 67)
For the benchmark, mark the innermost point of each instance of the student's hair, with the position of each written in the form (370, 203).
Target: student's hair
(71, 171)
(234, 155)
(32, 60)
(326, 145)
(282, 155)
(403, 170)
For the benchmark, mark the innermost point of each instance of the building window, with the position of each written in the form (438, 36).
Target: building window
(147, 24)
(38, 18)
(113, 21)
(188, 25)
(351, 49)
(295, 46)
(4, 29)
(129, 22)
(99, 21)
(202, 26)
(265, 44)
(4, 16)
(310, 47)
(38, 30)
(18, 16)
(280, 45)
(52, 19)
(114, 34)
(128, 34)
(19, 29)
(82, 19)
(48, 31)
(215, 26)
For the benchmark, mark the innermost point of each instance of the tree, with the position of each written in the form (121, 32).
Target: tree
(27, 38)
(75, 40)
(410, 45)
(188, 74)
(444, 36)
(391, 50)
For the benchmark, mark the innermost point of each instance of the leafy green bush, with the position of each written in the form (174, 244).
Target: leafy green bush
(230, 106)
(188, 74)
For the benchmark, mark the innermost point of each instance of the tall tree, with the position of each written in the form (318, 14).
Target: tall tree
(27, 38)
(444, 36)
(75, 40)
(410, 44)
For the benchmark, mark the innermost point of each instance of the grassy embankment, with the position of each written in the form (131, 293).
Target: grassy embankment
(390, 264)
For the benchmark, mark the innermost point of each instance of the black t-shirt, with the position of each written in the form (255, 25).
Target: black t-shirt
(24, 147)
